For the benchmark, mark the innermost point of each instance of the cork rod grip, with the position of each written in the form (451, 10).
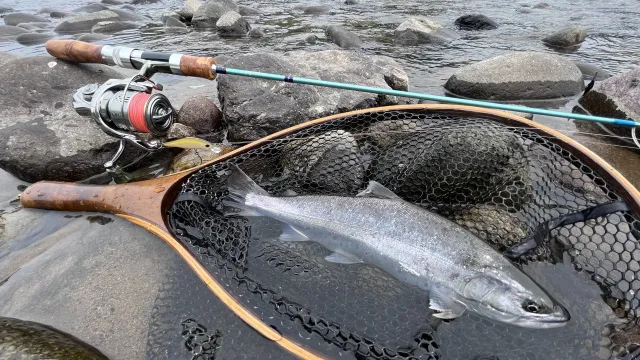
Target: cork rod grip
(75, 51)
(198, 66)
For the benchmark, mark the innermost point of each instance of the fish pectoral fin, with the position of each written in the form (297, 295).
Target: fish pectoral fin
(342, 259)
(375, 189)
(289, 233)
(447, 305)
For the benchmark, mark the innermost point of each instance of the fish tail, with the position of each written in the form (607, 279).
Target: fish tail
(240, 186)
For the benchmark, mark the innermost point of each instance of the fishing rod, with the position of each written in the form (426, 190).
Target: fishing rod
(126, 108)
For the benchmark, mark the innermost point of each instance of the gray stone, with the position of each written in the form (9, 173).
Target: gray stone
(91, 8)
(317, 9)
(20, 18)
(10, 32)
(201, 114)
(541, 5)
(179, 131)
(194, 157)
(126, 15)
(518, 76)
(171, 14)
(247, 11)
(256, 33)
(141, 2)
(190, 8)
(41, 136)
(84, 22)
(590, 70)
(33, 38)
(524, 11)
(254, 108)
(232, 24)
(397, 79)
(311, 39)
(475, 22)
(317, 163)
(46, 10)
(128, 7)
(568, 37)
(211, 11)
(5, 57)
(4, 9)
(419, 30)
(91, 37)
(174, 23)
(617, 96)
(343, 37)
(112, 2)
(351, 2)
(35, 26)
(112, 27)
(59, 14)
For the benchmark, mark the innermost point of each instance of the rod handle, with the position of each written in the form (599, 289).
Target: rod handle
(75, 51)
(62, 196)
(198, 66)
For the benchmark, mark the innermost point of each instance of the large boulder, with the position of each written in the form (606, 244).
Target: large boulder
(211, 11)
(91, 37)
(112, 27)
(19, 18)
(248, 11)
(568, 37)
(190, 8)
(343, 37)
(41, 136)
(232, 24)
(35, 27)
(419, 30)
(316, 9)
(475, 22)
(5, 57)
(10, 32)
(518, 76)
(84, 22)
(4, 9)
(29, 39)
(91, 8)
(617, 96)
(254, 108)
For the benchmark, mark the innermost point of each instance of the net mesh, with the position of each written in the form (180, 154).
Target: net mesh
(500, 182)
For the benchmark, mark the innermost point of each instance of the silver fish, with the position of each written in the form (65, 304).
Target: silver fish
(412, 244)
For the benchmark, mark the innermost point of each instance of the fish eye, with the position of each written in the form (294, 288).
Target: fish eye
(532, 307)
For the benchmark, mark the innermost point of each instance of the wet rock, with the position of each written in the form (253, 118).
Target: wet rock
(190, 8)
(41, 136)
(128, 7)
(254, 108)
(112, 27)
(178, 131)
(4, 9)
(174, 23)
(343, 37)
(311, 39)
(256, 33)
(615, 97)
(192, 158)
(541, 5)
(112, 2)
(232, 24)
(386, 133)
(91, 37)
(10, 32)
(351, 2)
(524, 11)
(84, 22)
(211, 11)
(141, 2)
(59, 14)
(91, 8)
(200, 113)
(171, 14)
(567, 37)
(5, 57)
(247, 11)
(126, 15)
(590, 70)
(34, 27)
(14, 19)
(317, 9)
(318, 163)
(47, 10)
(475, 22)
(495, 225)
(33, 38)
(418, 30)
(397, 79)
(517, 76)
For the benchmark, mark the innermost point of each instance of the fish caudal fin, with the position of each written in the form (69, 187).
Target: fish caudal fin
(240, 185)
(448, 307)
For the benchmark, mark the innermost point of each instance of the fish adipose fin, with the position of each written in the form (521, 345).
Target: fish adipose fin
(375, 189)
(342, 259)
(239, 186)
(448, 307)
(289, 233)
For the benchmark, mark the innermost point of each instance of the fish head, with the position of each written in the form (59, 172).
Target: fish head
(525, 305)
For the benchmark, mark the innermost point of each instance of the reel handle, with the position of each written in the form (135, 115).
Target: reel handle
(75, 51)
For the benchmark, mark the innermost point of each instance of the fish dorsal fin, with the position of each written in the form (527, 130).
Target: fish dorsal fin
(375, 189)
(444, 302)
(289, 233)
(342, 259)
